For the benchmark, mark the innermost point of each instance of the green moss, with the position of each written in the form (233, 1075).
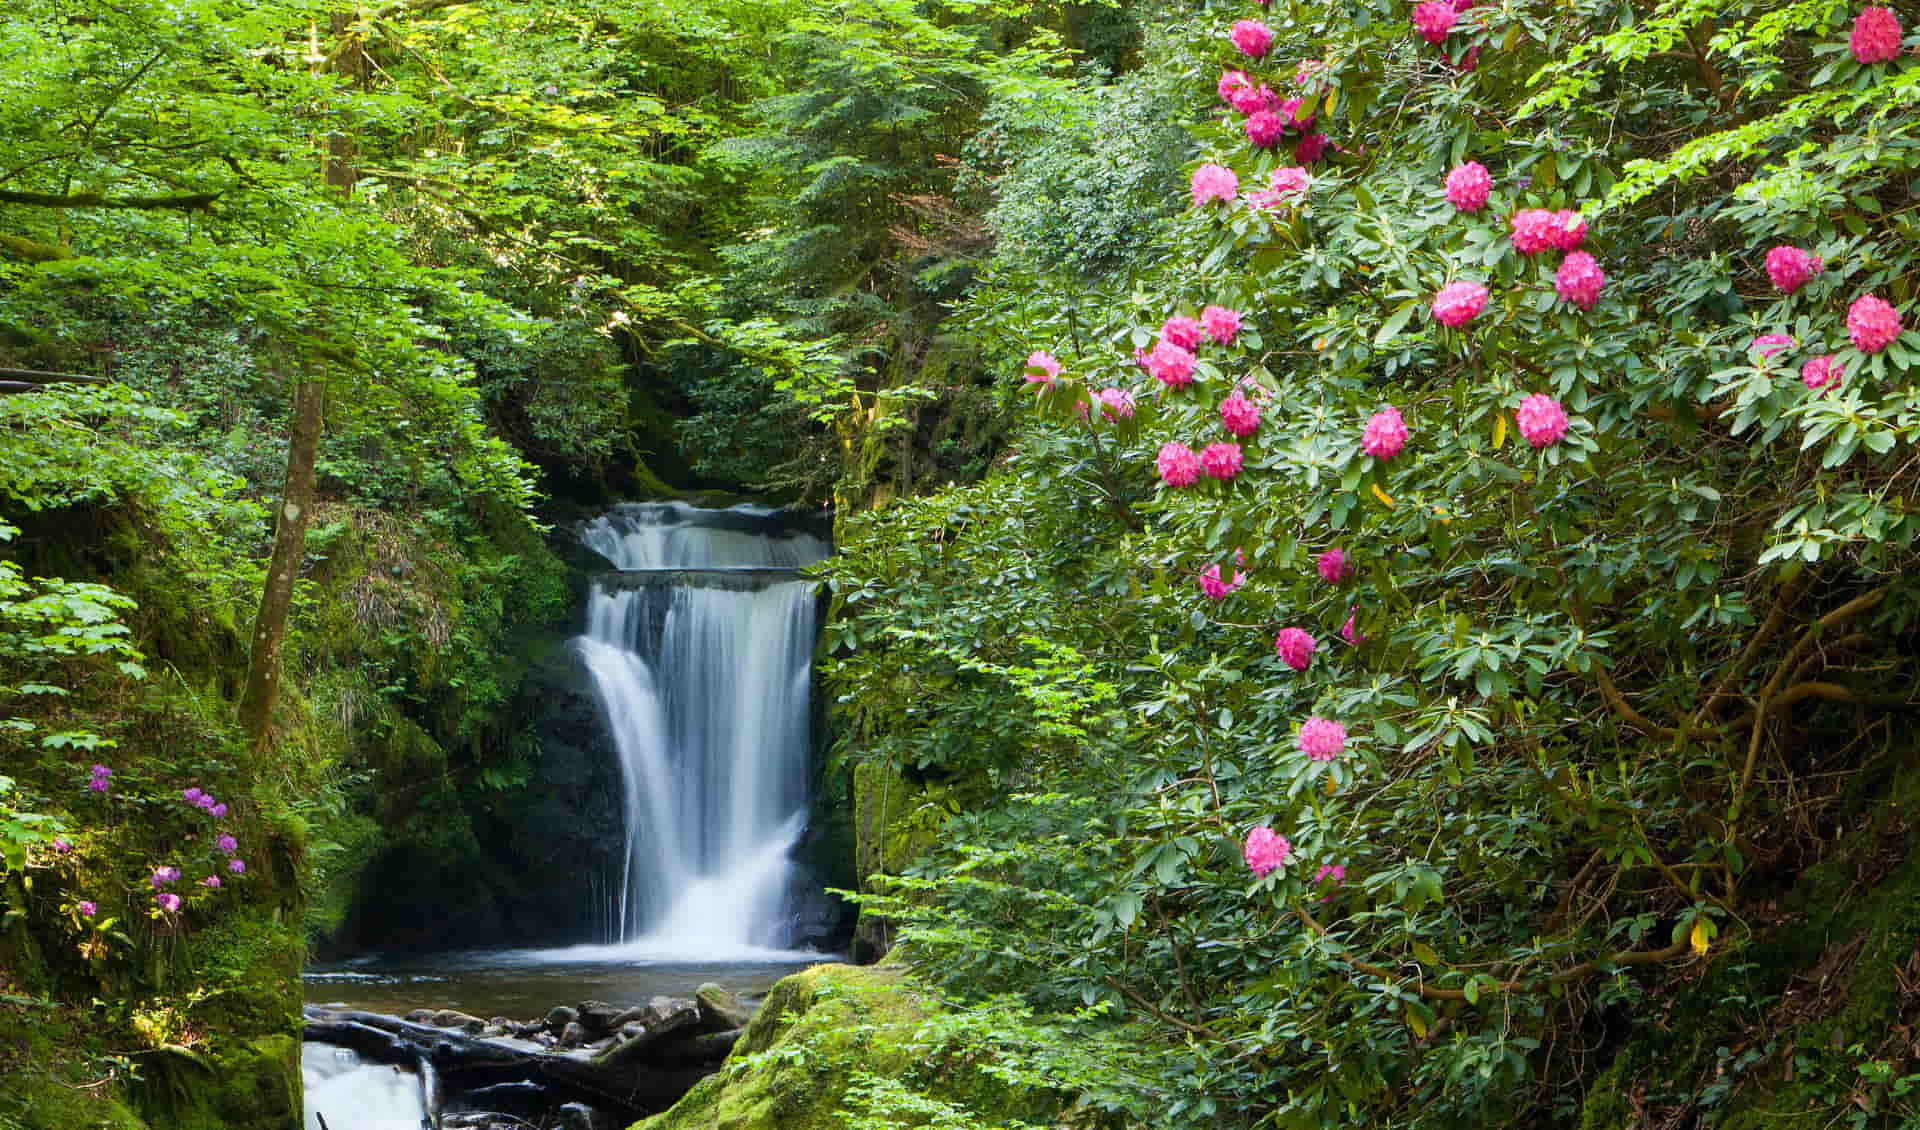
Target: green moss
(829, 1037)
(53, 1075)
(1775, 1037)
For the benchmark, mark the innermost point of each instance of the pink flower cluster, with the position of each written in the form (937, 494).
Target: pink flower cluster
(1171, 364)
(1468, 187)
(1252, 38)
(1334, 566)
(1872, 323)
(1579, 280)
(1322, 740)
(1221, 460)
(1284, 184)
(1876, 36)
(1214, 182)
(1459, 303)
(1042, 368)
(1294, 647)
(1240, 415)
(1385, 435)
(1116, 403)
(1221, 324)
(1217, 589)
(1790, 267)
(1541, 420)
(1766, 345)
(1266, 851)
(1540, 229)
(1179, 465)
(1433, 19)
(1819, 372)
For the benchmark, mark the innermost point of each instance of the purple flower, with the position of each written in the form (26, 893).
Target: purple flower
(227, 845)
(237, 866)
(102, 771)
(164, 875)
(168, 902)
(211, 882)
(61, 846)
(192, 796)
(98, 784)
(218, 812)
(87, 908)
(204, 800)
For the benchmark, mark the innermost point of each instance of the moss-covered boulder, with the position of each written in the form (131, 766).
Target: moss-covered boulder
(1808, 1025)
(865, 1039)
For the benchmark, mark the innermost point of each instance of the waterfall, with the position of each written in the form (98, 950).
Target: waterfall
(700, 653)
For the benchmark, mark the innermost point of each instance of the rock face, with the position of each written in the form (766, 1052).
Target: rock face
(721, 1010)
(841, 1021)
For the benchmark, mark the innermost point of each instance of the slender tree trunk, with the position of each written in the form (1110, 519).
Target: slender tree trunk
(289, 554)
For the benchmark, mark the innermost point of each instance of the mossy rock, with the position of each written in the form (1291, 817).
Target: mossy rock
(1777, 1034)
(50, 1078)
(827, 1031)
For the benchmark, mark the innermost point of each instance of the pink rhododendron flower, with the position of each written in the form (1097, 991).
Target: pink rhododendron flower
(1294, 112)
(1352, 634)
(1311, 148)
(1252, 37)
(1322, 740)
(217, 811)
(1240, 415)
(169, 902)
(164, 875)
(1468, 187)
(192, 796)
(1233, 84)
(227, 845)
(1433, 19)
(1253, 99)
(211, 882)
(1264, 129)
(1459, 303)
(205, 801)
(1579, 280)
(1221, 460)
(1214, 182)
(237, 866)
(1876, 36)
(1171, 365)
(1217, 589)
(87, 908)
(1386, 434)
(1286, 181)
(1872, 323)
(1221, 324)
(1790, 268)
(97, 784)
(1181, 331)
(1569, 229)
(1294, 647)
(1179, 466)
(1541, 420)
(1820, 372)
(1766, 345)
(1266, 851)
(60, 846)
(1042, 368)
(1533, 230)
(1466, 64)
(1333, 566)
(1116, 403)
(1330, 872)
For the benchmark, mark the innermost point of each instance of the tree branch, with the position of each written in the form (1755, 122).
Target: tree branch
(190, 202)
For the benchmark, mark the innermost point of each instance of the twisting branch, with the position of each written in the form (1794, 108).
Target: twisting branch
(1619, 704)
(1763, 705)
(1572, 973)
(1782, 608)
(190, 202)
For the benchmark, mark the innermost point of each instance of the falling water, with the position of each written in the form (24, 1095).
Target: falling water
(700, 653)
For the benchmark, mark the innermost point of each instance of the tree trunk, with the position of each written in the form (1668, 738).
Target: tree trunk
(289, 554)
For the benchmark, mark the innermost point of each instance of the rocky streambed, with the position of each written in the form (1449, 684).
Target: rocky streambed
(585, 1066)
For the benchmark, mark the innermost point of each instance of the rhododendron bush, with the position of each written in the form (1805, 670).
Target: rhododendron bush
(1617, 640)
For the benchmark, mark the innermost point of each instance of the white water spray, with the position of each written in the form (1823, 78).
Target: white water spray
(700, 653)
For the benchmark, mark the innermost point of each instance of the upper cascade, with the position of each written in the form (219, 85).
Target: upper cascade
(673, 535)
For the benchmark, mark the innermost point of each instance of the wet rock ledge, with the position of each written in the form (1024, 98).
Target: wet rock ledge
(591, 1064)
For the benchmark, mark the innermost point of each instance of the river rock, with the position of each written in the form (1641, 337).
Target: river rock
(721, 1010)
(664, 1017)
(580, 1116)
(560, 1017)
(573, 1035)
(599, 1016)
(448, 1018)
